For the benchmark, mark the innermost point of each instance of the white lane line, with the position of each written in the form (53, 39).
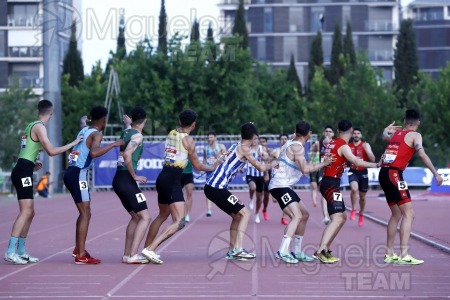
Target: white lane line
(56, 254)
(168, 243)
(255, 286)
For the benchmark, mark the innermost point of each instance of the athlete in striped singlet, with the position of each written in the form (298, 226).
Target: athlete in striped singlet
(33, 140)
(216, 189)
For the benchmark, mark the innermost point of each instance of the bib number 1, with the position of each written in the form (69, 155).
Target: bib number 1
(140, 197)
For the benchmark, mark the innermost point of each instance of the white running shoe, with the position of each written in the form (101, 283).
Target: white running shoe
(187, 218)
(151, 256)
(28, 258)
(326, 221)
(257, 219)
(137, 259)
(251, 205)
(15, 259)
(125, 259)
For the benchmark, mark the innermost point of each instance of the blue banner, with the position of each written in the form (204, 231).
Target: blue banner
(445, 187)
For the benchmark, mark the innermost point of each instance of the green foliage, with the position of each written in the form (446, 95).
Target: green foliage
(121, 50)
(240, 25)
(18, 107)
(349, 48)
(195, 32)
(72, 63)
(162, 29)
(336, 64)
(316, 56)
(406, 64)
(292, 76)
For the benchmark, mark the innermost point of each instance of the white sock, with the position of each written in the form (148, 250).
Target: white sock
(298, 243)
(285, 242)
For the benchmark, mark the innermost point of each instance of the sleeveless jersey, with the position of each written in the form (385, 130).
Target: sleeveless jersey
(337, 168)
(30, 149)
(175, 155)
(126, 136)
(251, 170)
(226, 171)
(287, 173)
(398, 153)
(358, 151)
(79, 156)
(211, 154)
(188, 168)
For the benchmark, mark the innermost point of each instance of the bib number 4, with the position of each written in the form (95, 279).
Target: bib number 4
(26, 182)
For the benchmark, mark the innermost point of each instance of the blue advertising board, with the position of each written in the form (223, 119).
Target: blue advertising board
(445, 187)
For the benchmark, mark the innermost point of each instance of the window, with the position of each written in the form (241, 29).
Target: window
(261, 53)
(2, 43)
(22, 14)
(317, 19)
(268, 19)
(289, 47)
(431, 13)
(346, 16)
(296, 19)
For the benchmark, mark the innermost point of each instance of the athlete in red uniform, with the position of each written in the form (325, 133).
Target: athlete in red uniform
(330, 187)
(358, 176)
(402, 145)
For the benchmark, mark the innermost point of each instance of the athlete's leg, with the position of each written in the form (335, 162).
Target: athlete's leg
(164, 213)
(82, 226)
(251, 191)
(396, 216)
(330, 232)
(189, 188)
(326, 216)
(405, 227)
(354, 194)
(314, 188)
(238, 227)
(362, 202)
(303, 220)
(131, 228)
(176, 209)
(143, 220)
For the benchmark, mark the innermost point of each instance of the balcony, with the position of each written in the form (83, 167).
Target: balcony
(377, 26)
(27, 81)
(381, 55)
(25, 20)
(25, 52)
(233, 2)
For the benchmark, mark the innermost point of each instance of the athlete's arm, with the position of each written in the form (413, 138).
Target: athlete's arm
(135, 141)
(369, 152)
(296, 153)
(389, 131)
(93, 143)
(222, 149)
(189, 145)
(246, 152)
(40, 132)
(417, 140)
(347, 153)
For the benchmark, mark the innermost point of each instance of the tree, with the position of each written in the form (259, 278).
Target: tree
(72, 63)
(406, 65)
(240, 25)
(195, 31)
(162, 29)
(336, 65)
(18, 107)
(292, 76)
(316, 56)
(121, 50)
(210, 34)
(349, 48)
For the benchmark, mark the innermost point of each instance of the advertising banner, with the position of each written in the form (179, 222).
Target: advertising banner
(445, 187)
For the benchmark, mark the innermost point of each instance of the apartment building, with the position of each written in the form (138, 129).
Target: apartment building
(279, 28)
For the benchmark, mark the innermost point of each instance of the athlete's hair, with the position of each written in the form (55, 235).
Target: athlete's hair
(357, 129)
(45, 106)
(302, 128)
(344, 125)
(263, 138)
(211, 133)
(138, 115)
(412, 116)
(328, 127)
(187, 117)
(98, 112)
(248, 130)
(283, 134)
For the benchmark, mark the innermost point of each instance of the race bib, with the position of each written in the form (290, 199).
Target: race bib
(233, 199)
(26, 182)
(170, 154)
(389, 156)
(23, 143)
(402, 185)
(83, 185)
(140, 197)
(120, 160)
(286, 198)
(73, 157)
(337, 197)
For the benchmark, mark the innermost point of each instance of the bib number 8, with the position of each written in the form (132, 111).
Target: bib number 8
(286, 198)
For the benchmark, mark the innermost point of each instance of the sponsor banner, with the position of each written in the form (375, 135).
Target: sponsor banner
(445, 187)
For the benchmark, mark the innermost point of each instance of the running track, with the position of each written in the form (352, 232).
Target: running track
(194, 264)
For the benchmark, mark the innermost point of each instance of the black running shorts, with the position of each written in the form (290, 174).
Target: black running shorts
(22, 178)
(75, 180)
(168, 185)
(129, 192)
(394, 186)
(361, 177)
(330, 190)
(284, 196)
(224, 199)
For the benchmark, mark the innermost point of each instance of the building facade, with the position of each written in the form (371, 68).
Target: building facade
(22, 44)
(432, 31)
(279, 28)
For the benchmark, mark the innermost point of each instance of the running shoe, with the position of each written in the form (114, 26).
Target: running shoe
(352, 214)
(391, 258)
(286, 257)
(15, 259)
(301, 256)
(331, 257)
(87, 259)
(409, 260)
(284, 221)
(266, 215)
(322, 256)
(28, 258)
(326, 220)
(187, 218)
(209, 213)
(257, 219)
(361, 220)
(152, 256)
(137, 259)
(251, 204)
(125, 259)
(230, 256)
(74, 252)
(243, 253)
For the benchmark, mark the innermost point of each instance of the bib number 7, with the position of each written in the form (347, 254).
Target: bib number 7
(337, 197)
